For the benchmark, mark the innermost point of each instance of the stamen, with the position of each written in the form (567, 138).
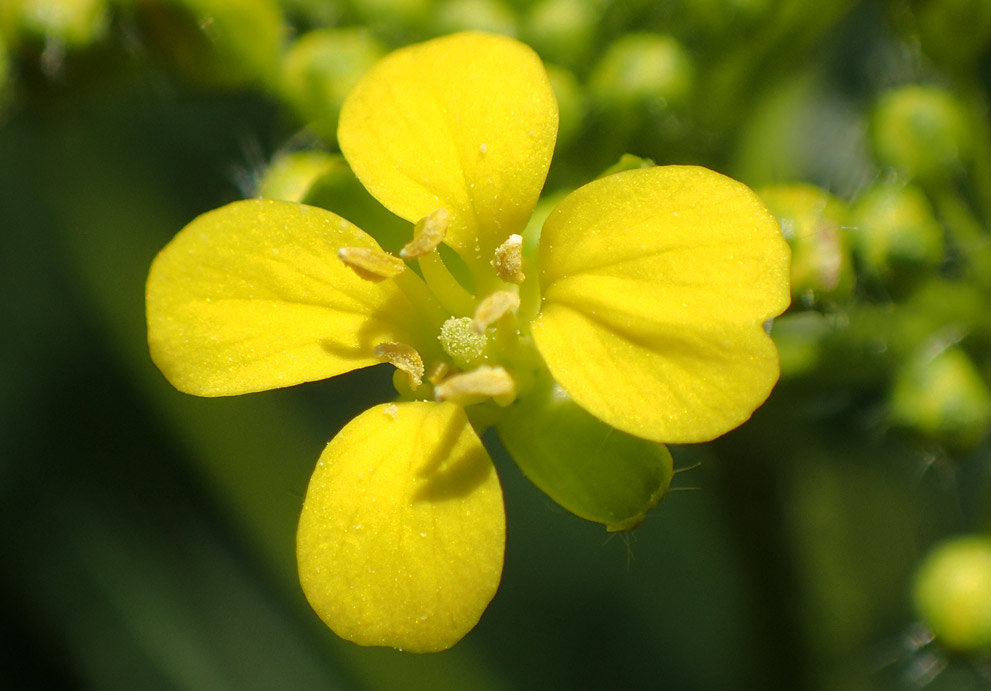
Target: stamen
(438, 371)
(428, 233)
(508, 261)
(493, 308)
(444, 286)
(371, 265)
(404, 358)
(478, 384)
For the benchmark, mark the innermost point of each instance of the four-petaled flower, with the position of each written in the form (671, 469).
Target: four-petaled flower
(634, 316)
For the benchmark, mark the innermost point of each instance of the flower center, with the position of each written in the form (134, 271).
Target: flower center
(480, 337)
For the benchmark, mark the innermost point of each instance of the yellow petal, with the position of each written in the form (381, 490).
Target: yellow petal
(656, 285)
(402, 534)
(466, 123)
(252, 296)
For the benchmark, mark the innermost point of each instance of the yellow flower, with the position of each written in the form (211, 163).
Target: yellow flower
(640, 308)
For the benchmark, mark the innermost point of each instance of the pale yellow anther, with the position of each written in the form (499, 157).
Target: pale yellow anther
(371, 265)
(404, 358)
(508, 261)
(476, 385)
(428, 233)
(493, 308)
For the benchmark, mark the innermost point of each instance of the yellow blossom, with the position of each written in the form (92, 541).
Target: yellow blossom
(639, 319)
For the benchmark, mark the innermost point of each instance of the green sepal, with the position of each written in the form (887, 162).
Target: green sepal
(627, 162)
(591, 469)
(291, 176)
(338, 190)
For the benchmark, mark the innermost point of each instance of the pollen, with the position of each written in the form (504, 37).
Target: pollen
(371, 264)
(478, 384)
(404, 358)
(461, 341)
(493, 308)
(428, 233)
(508, 261)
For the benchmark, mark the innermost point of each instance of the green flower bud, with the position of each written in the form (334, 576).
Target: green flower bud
(921, 132)
(292, 176)
(395, 17)
(321, 68)
(474, 15)
(71, 23)
(627, 162)
(812, 221)
(952, 593)
(219, 43)
(953, 31)
(570, 103)
(4, 69)
(562, 31)
(643, 70)
(942, 397)
(589, 468)
(895, 235)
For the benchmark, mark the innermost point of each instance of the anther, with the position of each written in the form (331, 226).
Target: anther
(428, 233)
(371, 264)
(508, 261)
(404, 358)
(493, 308)
(476, 385)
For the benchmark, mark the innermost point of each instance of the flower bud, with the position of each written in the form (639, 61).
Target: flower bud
(396, 17)
(586, 466)
(321, 68)
(952, 593)
(474, 15)
(895, 235)
(4, 68)
(812, 221)
(921, 132)
(71, 24)
(217, 43)
(643, 70)
(942, 397)
(953, 31)
(562, 31)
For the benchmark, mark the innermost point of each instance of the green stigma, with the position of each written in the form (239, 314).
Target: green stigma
(461, 341)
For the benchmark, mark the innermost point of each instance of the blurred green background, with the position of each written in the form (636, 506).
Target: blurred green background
(147, 536)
